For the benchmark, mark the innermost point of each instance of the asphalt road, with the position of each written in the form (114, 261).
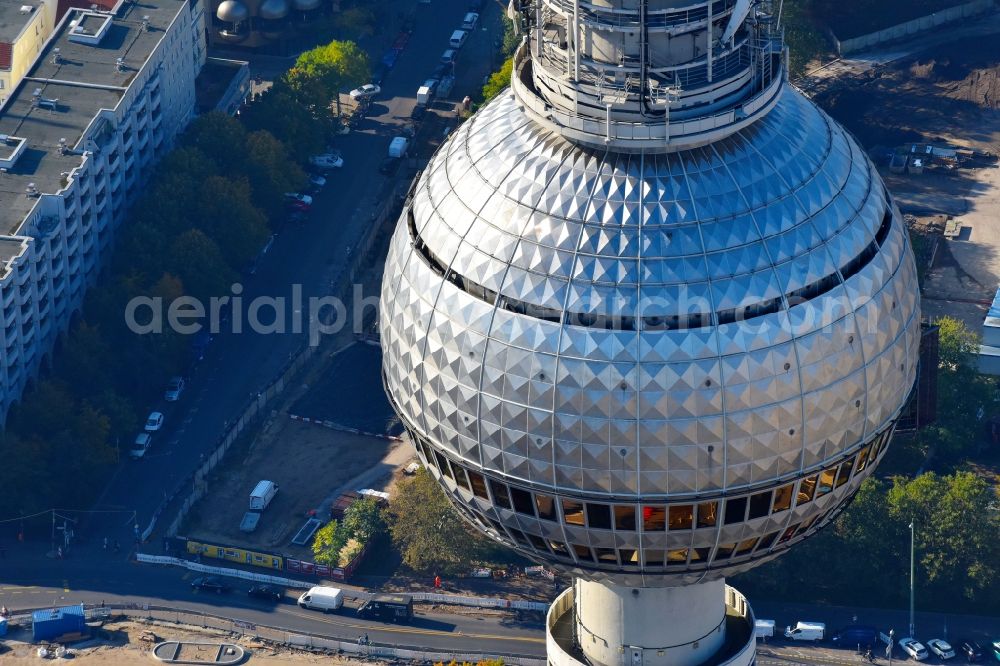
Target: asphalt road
(95, 580)
(239, 364)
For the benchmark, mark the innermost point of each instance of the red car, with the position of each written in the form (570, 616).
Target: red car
(300, 206)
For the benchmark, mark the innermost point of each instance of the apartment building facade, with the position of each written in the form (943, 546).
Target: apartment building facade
(102, 103)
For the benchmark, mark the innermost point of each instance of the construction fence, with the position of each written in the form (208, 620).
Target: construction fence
(284, 636)
(420, 597)
(908, 28)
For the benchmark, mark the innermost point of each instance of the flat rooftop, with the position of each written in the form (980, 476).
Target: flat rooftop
(13, 20)
(62, 93)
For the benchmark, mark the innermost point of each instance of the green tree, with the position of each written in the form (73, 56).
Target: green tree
(426, 529)
(220, 137)
(957, 531)
(363, 520)
(320, 74)
(328, 542)
(499, 80)
(957, 345)
(200, 265)
(271, 172)
(279, 112)
(227, 214)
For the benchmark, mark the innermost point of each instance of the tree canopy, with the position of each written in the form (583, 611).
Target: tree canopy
(320, 74)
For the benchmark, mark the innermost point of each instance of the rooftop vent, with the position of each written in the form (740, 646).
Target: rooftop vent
(145, 24)
(62, 146)
(31, 191)
(27, 9)
(119, 64)
(56, 56)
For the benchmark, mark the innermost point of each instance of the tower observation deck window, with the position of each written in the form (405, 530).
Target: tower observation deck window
(500, 497)
(478, 485)
(598, 516)
(708, 514)
(681, 517)
(522, 501)
(546, 507)
(624, 518)
(807, 488)
(760, 505)
(654, 518)
(845, 472)
(783, 498)
(736, 510)
(573, 513)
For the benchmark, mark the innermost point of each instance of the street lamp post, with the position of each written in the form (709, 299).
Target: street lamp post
(912, 627)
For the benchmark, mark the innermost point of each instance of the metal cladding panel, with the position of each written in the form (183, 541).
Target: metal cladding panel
(650, 326)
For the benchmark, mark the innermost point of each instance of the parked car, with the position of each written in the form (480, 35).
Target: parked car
(441, 71)
(153, 422)
(265, 592)
(470, 21)
(996, 649)
(174, 389)
(295, 196)
(210, 584)
(317, 182)
(476, 6)
(140, 446)
(972, 650)
(448, 57)
(366, 91)
(941, 648)
(913, 648)
(327, 161)
(299, 206)
(418, 112)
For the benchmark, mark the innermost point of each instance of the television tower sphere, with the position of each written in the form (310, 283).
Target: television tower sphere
(650, 317)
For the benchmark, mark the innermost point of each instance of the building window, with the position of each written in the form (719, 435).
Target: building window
(807, 487)
(654, 518)
(826, 480)
(760, 505)
(654, 558)
(766, 541)
(460, 476)
(478, 484)
(681, 517)
(677, 558)
(725, 552)
(573, 513)
(783, 498)
(518, 536)
(522, 501)
(746, 546)
(500, 497)
(599, 516)
(863, 458)
(629, 557)
(845, 472)
(699, 555)
(538, 542)
(559, 548)
(624, 518)
(583, 553)
(606, 556)
(736, 510)
(443, 465)
(546, 507)
(708, 514)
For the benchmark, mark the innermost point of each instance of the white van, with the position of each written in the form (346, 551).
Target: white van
(458, 39)
(806, 631)
(322, 598)
(470, 20)
(764, 628)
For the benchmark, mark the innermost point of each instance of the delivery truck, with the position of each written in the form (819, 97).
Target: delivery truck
(326, 599)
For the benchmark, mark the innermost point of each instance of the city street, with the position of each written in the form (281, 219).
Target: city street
(238, 365)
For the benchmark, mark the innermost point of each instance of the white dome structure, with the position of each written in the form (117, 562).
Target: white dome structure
(650, 347)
